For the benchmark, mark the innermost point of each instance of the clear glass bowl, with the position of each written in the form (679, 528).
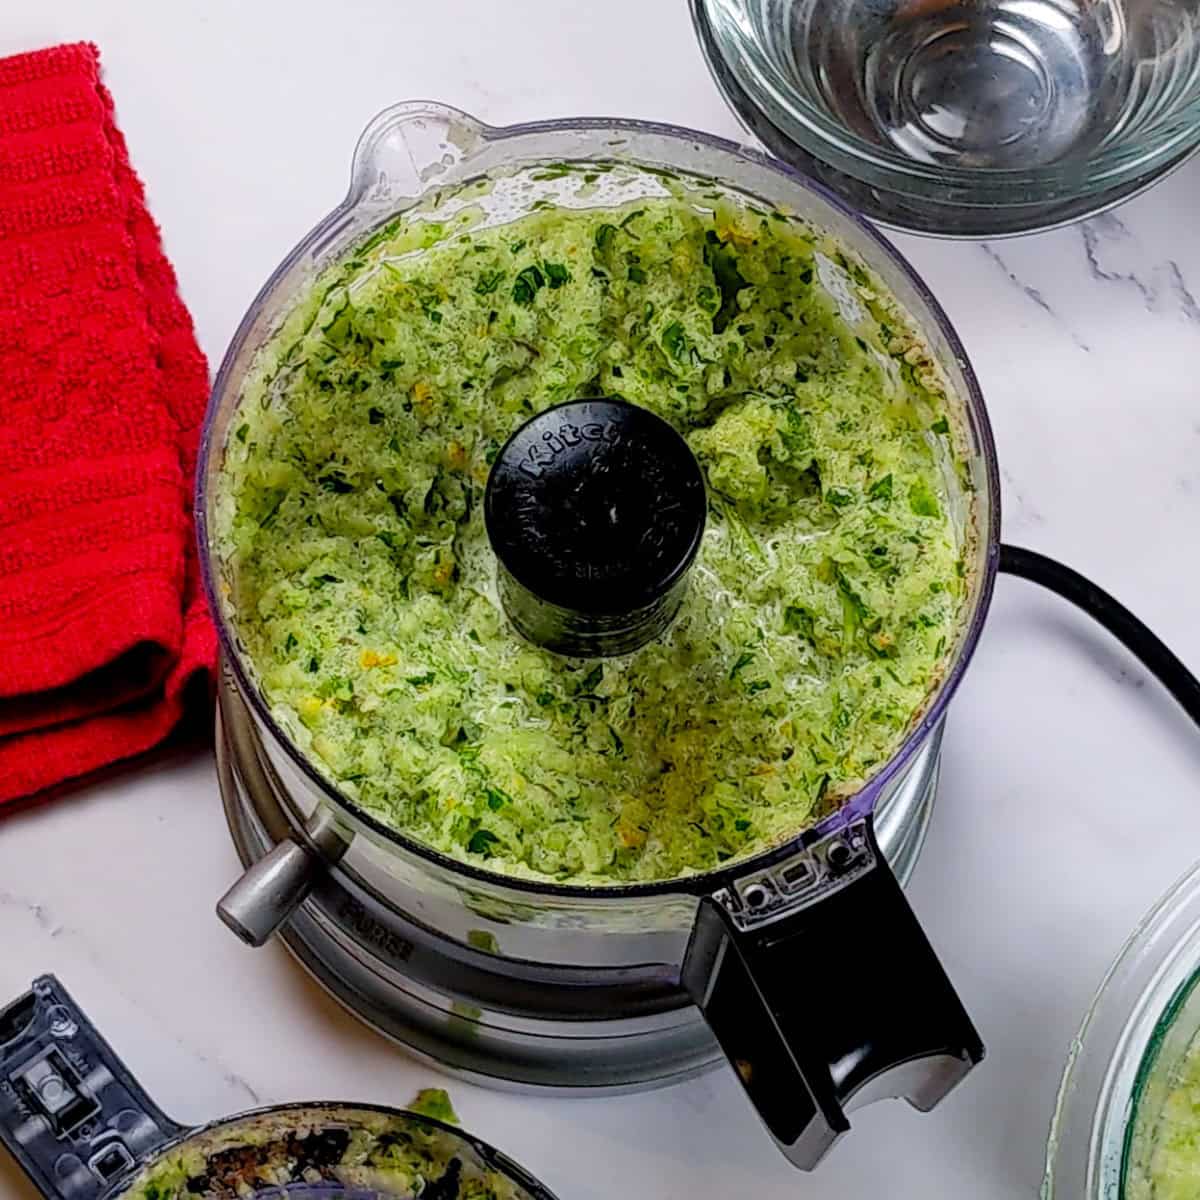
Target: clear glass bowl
(1049, 108)
(1143, 1022)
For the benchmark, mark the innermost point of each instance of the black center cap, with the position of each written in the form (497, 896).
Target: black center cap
(596, 507)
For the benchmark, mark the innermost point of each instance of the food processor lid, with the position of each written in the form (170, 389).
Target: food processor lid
(82, 1128)
(595, 510)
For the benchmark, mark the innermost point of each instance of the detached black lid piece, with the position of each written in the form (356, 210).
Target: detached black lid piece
(595, 509)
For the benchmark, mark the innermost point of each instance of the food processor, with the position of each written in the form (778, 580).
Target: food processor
(803, 966)
(81, 1127)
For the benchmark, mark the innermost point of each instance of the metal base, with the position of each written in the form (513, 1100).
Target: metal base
(508, 1024)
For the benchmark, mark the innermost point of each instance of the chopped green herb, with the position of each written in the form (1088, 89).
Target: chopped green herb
(556, 274)
(743, 660)
(488, 282)
(527, 284)
(675, 341)
(497, 798)
(591, 680)
(481, 842)
(723, 263)
(922, 500)
(435, 1103)
(798, 620)
(881, 489)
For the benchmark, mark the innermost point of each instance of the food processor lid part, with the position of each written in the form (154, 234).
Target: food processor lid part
(82, 1128)
(595, 510)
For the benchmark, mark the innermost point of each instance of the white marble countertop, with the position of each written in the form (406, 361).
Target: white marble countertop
(1069, 798)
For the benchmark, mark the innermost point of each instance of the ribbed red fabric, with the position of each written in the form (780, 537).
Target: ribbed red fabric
(102, 391)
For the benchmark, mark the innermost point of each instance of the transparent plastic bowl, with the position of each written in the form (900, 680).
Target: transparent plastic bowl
(1143, 1022)
(967, 118)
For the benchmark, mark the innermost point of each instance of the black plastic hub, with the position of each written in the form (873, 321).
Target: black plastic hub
(595, 509)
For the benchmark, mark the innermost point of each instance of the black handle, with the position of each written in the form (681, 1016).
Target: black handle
(71, 1114)
(825, 994)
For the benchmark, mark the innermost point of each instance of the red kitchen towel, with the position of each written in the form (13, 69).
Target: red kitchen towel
(102, 389)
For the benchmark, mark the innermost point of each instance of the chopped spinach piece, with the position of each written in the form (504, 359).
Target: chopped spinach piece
(556, 274)
(527, 284)
(481, 842)
(881, 489)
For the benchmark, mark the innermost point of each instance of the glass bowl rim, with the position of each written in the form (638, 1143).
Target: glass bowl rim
(1112, 1000)
(768, 89)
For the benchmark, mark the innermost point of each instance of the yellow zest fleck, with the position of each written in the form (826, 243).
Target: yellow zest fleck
(372, 658)
(631, 836)
(731, 233)
(443, 572)
(450, 802)
(422, 392)
(764, 768)
(310, 706)
(456, 455)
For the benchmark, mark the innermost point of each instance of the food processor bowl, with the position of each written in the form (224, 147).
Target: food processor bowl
(82, 1128)
(467, 996)
(965, 120)
(1142, 1026)
(737, 942)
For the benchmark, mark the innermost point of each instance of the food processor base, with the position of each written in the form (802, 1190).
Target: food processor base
(331, 934)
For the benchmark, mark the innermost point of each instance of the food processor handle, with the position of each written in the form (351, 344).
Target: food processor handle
(270, 890)
(823, 991)
(71, 1114)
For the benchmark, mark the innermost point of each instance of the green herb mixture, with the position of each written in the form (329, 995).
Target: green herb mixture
(821, 607)
(1166, 1145)
(391, 1155)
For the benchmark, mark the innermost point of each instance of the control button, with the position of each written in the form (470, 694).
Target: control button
(797, 875)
